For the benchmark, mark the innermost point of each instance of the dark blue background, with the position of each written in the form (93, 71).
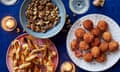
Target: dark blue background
(111, 9)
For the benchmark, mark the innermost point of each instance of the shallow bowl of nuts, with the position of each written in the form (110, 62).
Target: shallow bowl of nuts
(42, 18)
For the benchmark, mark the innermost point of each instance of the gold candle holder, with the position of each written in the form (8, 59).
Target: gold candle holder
(67, 67)
(8, 23)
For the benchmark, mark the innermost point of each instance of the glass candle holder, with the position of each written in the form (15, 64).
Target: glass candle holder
(8, 2)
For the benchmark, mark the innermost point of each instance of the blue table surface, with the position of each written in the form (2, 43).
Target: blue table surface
(111, 9)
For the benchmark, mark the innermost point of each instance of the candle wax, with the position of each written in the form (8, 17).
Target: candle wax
(10, 23)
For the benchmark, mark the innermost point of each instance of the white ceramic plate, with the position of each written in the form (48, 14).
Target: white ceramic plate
(112, 58)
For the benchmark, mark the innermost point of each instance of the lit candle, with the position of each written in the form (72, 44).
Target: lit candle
(67, 67)
(9, 23)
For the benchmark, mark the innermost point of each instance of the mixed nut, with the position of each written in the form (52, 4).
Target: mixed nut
(42, 15)
(98, 3)
(68, 24)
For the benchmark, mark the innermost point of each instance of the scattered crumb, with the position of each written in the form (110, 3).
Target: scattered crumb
(68, 21)
(74, 14)
(67, 24)
(67, 16)
(24, 31)
(64, 30)
(18, 30)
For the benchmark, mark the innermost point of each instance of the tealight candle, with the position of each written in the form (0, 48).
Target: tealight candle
(9, 23)
(67, 67)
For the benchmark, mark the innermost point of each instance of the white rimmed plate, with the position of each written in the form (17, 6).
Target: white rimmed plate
(112, 58)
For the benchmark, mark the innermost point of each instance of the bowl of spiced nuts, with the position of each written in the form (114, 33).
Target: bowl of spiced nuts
(42, 18)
